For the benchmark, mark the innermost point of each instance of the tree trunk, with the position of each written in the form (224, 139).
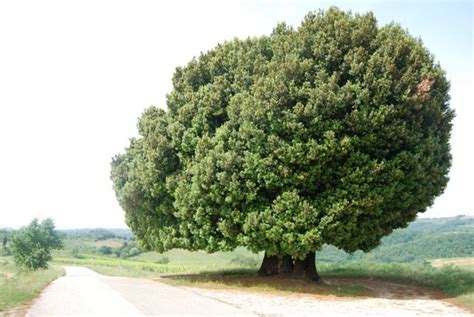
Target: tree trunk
(269, 265)
(273, 265)
(285, 265)
(306, 268)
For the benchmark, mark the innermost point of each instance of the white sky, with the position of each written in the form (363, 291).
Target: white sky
(76, 75)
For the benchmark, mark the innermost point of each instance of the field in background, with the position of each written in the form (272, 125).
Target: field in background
(149, 268)
(466, 263)
(18, 288)
(422, 241)
(177, 256)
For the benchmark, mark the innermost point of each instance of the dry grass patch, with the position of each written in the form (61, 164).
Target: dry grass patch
(466, 263)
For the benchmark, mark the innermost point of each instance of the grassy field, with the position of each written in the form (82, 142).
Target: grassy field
(466, 263)
(18, 288)
(126, 267)
(183, 257)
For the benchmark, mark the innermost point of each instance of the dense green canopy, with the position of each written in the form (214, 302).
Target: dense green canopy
(336, 132)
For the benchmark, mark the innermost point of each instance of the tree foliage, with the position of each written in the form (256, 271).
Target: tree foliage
(336, 132)
(31, 245)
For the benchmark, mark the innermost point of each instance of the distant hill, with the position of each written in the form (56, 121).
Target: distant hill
(424, 239)
(99, 233)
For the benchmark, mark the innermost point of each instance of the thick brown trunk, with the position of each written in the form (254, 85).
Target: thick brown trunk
(269, 265)
(306, 268)
(273, 265)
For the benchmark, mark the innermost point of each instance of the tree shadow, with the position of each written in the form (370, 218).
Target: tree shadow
(356, 287)
(249, 280)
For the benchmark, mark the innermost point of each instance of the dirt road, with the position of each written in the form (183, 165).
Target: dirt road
(390, 302)
(83, 292)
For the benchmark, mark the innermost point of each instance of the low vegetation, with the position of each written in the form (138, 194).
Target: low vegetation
(20, 287)
(454, 282)
(134, 268)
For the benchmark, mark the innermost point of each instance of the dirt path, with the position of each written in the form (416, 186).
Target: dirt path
(83, 292)
(392, 299)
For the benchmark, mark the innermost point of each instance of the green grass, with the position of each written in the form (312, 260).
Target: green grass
(117, 266)
(18, 288)
(456, 283)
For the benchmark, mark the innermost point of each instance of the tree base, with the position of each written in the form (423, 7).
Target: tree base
(295, 268)
(306, 269)
(273, 265)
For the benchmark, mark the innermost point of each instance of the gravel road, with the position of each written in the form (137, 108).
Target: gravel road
(388, 305)
(83, 292)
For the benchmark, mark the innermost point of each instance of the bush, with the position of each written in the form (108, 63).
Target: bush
(75, 253)
(163, 260)
(133, 252)
(105, 250)
(244, 261)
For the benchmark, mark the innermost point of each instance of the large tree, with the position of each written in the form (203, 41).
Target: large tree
(336, 132)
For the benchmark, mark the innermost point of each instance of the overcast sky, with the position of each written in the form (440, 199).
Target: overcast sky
(76, 75)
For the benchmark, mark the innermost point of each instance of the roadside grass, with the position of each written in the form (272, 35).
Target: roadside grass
(20, 287)
(457, 284)
(131, 268)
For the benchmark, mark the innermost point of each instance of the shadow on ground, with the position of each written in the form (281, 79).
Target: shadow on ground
(330, 286)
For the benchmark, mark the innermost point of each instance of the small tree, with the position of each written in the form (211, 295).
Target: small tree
(31, 245)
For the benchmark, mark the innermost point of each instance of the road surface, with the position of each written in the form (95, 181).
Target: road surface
(83, 292)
